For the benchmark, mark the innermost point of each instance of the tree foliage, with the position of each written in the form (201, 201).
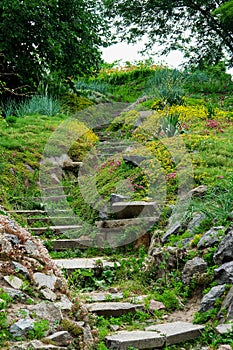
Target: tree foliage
(199, 28)
(38, 37)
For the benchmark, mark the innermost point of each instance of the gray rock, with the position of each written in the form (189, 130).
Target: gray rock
(87, 336)
(16, 294)
(224, 328)
(6, 246)
(114, 309)
(31, 248)
(226, 311)
(99, 297)
(195, 266)
(47, 311)
(225, 347)
(224, 273)
(208, 301)
(134, 159)
(82, 263)
(224, 252)
(62, 338)
(114, 198)
(48, 294)
(12, 239)
(137, 339)
(174, 229)
(35, 345)
(103, 212)
(166, 258)
(21, 269)
(22, 327)
(210, 237)
(198, 191)
(143, 115)
(127, 210)
(195, 222)
(13, 281)
(64, 303)
(43, 280)
(177, 332)
(156, 305)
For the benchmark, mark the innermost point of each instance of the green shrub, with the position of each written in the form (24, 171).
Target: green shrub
(38, 105)
(72, 103)
(165, 84)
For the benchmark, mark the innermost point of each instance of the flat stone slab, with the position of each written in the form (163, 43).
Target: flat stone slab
(63, 228)
(63, 219)
(127, 222)
(101, 297)
(28, 212)
(64, 244)
(72, 165)
(126, 210)
(177, 332)
(113, 308)
(82, 263)
(138, 339)
(38, 212)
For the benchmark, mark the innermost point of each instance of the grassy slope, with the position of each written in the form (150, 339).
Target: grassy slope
(207, 140)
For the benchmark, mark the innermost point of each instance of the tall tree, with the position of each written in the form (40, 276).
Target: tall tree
(192, 26)
(41, 36)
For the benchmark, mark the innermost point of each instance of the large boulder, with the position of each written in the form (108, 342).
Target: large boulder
(226, 312)
(211, 237)
(224, 252)
(208, 301)
(192, 268)
(224, 273)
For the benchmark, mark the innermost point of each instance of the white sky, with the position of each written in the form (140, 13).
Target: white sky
(125, 52)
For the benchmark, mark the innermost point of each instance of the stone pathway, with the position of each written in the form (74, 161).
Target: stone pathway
(155, 336)
(108, 304)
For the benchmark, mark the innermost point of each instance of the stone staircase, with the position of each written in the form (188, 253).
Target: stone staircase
(127, 214)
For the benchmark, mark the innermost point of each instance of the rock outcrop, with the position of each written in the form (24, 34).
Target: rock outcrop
(37, 293)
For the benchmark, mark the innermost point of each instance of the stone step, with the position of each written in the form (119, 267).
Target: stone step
(123, 340)
(96, 297)
(126, 210)
(113, 308)
(55, 197)
(63, 219)
(72, 165)
(70, 265)
(155, 336)
(112, 149)
(38, 212)
(58, 229)
(55, 188)
(144, 221)
(64, 244)
(177, 332)
(28, 212)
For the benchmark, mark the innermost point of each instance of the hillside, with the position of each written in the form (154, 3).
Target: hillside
(131, 169)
